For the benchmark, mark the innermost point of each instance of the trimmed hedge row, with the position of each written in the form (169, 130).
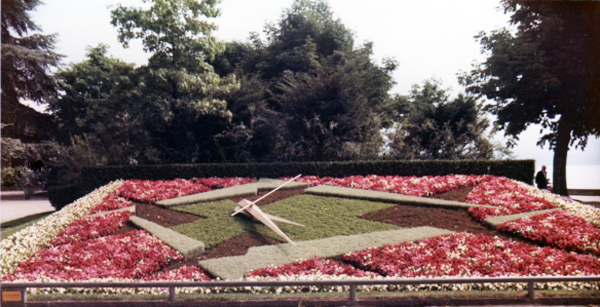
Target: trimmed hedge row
(93, 177)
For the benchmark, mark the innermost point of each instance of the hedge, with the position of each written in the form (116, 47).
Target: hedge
(93, 177)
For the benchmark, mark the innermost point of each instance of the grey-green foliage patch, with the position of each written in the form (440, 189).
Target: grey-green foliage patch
(323, 217)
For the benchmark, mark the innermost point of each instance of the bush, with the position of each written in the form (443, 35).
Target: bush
(11, 177)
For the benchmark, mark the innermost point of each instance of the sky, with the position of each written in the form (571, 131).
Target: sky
(429, 39)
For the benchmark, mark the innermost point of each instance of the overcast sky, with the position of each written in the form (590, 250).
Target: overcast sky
(429, 39)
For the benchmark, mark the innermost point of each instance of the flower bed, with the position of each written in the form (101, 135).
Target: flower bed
(92, 227)
(509, 196)
(129, 255)
(21, 245)
(149, 191)
(184, 273)
(587, 212)
(466, 255)
(313, 266)
(82, 252)
(111, 202)
(413, 186)
(560, 229)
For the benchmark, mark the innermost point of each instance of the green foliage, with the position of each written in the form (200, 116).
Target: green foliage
(100, 108)
(187, 92)
(60, 196)
(10, 177)
(547, 72)
(432, 126)
(323, 217)
(27, 58)
(320, 97)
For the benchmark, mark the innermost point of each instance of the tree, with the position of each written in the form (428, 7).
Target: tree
(547, 72)
(179, 76)
(27, 58)
(326, 94)
(100, 102)
(432, 126)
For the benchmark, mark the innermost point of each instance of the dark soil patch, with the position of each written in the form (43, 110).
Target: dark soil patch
(458, 220)
(408, 216)
(457, 195)
(162, 216)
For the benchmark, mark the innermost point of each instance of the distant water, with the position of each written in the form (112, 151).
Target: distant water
(583, 176)
(579, 176)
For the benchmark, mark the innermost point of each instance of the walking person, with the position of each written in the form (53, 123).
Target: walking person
(541, 179)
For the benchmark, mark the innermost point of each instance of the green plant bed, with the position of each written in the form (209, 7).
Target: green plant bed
(11, 227)
(323, 217)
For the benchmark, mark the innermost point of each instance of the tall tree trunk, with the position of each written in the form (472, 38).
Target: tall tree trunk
(559, 176)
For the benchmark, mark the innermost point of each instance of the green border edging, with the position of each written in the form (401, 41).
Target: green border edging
(183, 244)
(333, 191)
(235, 267)
(496, 221)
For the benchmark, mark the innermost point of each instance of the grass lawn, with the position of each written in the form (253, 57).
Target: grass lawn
(323, 217)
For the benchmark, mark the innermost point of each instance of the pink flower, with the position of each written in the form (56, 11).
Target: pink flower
(111, 202)
(507, 195)
(128, 255)
(559, 229)
(311, 267)
(466, 254)
(414, 186)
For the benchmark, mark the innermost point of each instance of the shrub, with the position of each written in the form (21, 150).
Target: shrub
(11, 177)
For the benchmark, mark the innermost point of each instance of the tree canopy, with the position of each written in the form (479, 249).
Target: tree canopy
(27, 57)
(178, 79)
(324, 94)
(433, 126)
(546, 72)
(100, 102)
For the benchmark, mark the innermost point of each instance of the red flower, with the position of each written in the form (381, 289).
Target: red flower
(559, 229)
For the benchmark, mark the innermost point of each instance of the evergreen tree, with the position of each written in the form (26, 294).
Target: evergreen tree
(27, 57)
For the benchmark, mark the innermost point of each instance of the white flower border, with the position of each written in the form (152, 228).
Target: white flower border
(21, 245)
